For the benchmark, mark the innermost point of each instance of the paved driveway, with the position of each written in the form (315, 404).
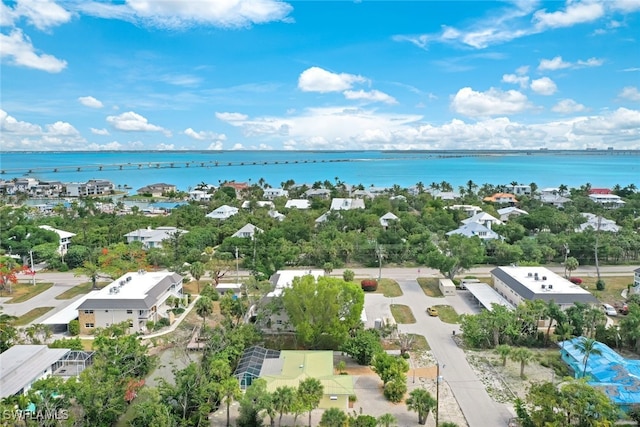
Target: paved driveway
(476, 404)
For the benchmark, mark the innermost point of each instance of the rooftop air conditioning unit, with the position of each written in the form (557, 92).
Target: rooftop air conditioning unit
(544, 277)
(121, 283)
(543, 287)
(550, 286)
(128, 278)
(529, 274)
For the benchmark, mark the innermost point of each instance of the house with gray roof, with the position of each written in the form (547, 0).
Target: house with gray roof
(598, 222)
(339, 204)
(152, 237)
(247, 232)
(389, 216)
(475, 229)
(518, 284)
(483, 218)
(510, 212)
(223, 212)
(297, 204)
(136, 297)
(23, 365)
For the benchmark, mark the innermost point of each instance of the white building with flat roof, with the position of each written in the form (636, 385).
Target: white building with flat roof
(64, 238)
(135, 297)
(517, 284)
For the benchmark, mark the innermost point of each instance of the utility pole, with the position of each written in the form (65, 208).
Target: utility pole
(379, 253)
(237, 267)
(33, 270)
(438, 379)
(566, 255)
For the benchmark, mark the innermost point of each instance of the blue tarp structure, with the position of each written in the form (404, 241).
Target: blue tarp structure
(615, 375)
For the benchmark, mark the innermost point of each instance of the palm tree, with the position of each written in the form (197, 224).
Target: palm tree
(522, 355)
(386, 420)
(503, 350)
(197, 271)
(333, 417)
(283, 400)
(229, 391)
(587, 346)
(310, 391)
(421, 401)
(204, 308)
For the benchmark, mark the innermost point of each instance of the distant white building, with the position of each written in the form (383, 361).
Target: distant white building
(483, 218)
(152, 238)
(276, 215)
(199, 196)
(297, 204)
(518, 284)
(475, 229)
(223, 212)
(272, 193)
(609, 201)
(470, 210)
(247, 232)
(521, 190)
(339, 204)
(389, 216)
(597, 222)
(259, 203)
(507, 213)
(64, 238)
(134, 297)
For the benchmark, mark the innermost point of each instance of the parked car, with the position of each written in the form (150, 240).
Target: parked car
(432, 311)
(623, 309)
(609, 310)
(576, 280)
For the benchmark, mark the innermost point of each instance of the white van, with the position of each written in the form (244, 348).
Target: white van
(609, 310)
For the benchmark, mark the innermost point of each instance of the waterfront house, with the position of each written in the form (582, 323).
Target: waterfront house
(157, 190)
(608, 201)
(136, 298)
(521, 189)
(272, 193)
(23, 365)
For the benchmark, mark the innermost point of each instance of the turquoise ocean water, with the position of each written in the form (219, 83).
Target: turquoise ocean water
(186, 169)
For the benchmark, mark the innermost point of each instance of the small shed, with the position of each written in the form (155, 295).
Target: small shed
(447, 287)
(233, 288)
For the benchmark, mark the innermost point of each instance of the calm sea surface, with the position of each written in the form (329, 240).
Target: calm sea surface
(186, 169)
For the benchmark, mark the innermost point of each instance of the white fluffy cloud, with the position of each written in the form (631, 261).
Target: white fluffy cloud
(544, 86)
(111, 146)
(370, 96)
(43, 14)
(316, 79)
(204, 135)
(231, 117)
(522, 81)
(99, 131)
(558, 63)
(20, 135)
(133, 122)
(181, 14)
(18, 50)
(90, 101)
(630, 93)
(575, 13)
(568, 106)
(493, 102)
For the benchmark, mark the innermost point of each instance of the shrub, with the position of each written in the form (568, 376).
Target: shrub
(62, 268)
(348, 275)
(395, 389)
(177, 311)
(405, 355)
(150, 324)
(369, 285)
(161, 323)
(74, 327)
(600, 285)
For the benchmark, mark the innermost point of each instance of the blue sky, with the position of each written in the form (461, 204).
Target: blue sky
(325, 75)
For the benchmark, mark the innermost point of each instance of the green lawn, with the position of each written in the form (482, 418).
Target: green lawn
(614, 286)
(420, 343)
(389, 288)
(402, 314)
(430, 286)
(25, 291)
(83, 288)
(32, 315)
(447, 314)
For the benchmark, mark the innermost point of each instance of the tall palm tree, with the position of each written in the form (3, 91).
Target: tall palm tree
(522, 355)
(229, 391)
(587, 346)
(197, 271)
(283, 400)
(310, 391)
(204, 308)
(421, 401)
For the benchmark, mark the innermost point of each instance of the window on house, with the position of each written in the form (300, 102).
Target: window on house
(131, 324)
(88, 312)
(129, 311)
(88, 325)
(106, 311)
(278, 322)
(141, 312)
